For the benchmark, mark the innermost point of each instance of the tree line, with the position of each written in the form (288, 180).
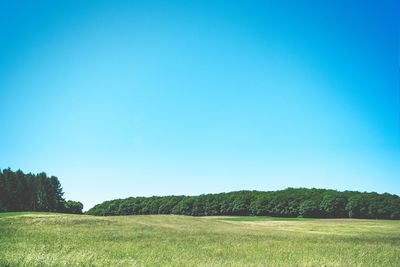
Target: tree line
(33, 192)
(291, 202)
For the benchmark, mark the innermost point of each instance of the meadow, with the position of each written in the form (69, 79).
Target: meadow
(51, 239)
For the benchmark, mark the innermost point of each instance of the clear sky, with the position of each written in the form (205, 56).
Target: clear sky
(140, 98)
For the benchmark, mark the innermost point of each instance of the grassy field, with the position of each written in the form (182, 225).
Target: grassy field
(46, 239)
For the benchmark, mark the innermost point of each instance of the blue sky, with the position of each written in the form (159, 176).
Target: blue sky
(129, 98)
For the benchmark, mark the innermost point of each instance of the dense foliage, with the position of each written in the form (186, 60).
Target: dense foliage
(301, 202)
(30, 192)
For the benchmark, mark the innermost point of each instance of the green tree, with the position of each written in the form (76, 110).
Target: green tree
(29, 192)
(75, 207)
(333, 205)
(309, 208)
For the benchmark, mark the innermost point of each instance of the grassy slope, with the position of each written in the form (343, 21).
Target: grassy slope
(55, 240)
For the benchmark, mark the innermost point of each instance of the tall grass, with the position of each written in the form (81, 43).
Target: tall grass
(40, 239)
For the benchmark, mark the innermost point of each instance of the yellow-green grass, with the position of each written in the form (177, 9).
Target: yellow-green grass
(264, 218)
(46, 239)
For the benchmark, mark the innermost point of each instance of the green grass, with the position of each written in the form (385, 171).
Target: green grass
(46, 239)
(8, 214)
(264, 218)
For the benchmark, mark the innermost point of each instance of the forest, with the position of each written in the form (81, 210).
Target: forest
(33, 192)
(291, 202)
(39, 192)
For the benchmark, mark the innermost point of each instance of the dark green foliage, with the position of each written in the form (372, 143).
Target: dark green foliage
(29, 192)
(73, 207)
(309, 208)
(301, 202)
(333, 205)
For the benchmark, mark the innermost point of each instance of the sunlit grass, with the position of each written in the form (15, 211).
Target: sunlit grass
(46, 239)
(263, 218)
